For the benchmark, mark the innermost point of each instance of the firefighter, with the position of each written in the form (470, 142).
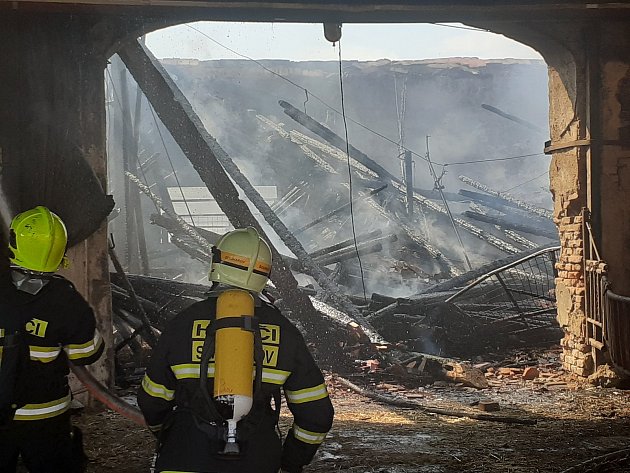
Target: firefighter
(44, 322)
(196, 421)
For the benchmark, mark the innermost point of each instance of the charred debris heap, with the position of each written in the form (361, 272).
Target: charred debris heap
(454, 313)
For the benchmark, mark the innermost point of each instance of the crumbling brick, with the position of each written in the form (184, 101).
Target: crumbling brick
(530, 373)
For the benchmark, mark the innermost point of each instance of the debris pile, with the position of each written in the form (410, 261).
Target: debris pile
(397, 231)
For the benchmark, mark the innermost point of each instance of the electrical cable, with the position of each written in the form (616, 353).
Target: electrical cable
(439, 187)
(463, 27)
(345, 126)
(494, 159)
(118, 101)
(330, 107)
(310, 94)
(526, 182)
(157, 126)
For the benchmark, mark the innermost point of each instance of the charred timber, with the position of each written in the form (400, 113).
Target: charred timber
(362, 249)
(491, 201)
(445, 265)
(346, 243)
(511, 211)
(147, 330)
(340, 209)
(174, 227)
(511, 225)
(214, 165)
(189, 230)
(513, 118)
(334, 139)
(408, 306)
(181, 240)
(523, 205)
(474, 230)
(370, 246)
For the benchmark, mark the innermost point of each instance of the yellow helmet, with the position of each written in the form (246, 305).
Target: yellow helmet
(37, 240)
(241, 259)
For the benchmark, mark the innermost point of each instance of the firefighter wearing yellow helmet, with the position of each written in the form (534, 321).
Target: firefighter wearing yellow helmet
(44, 322)
(37, 240)
(241, 259)
(198, 395)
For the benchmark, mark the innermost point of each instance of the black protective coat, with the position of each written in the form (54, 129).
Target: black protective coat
(173, 407)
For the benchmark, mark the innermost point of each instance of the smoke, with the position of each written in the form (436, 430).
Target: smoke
(6, 214)
(442, 100)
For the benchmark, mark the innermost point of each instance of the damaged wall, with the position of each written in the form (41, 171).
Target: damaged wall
(51, 90)
(53, 142)
(589, 114)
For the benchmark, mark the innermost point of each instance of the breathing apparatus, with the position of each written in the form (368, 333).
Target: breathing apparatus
(241, 263)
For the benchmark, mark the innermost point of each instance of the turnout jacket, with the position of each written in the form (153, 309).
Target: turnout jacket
(58, 325)
(171, 382)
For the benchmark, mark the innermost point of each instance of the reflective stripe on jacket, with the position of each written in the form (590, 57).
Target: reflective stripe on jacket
(60, 326)
(172, 378)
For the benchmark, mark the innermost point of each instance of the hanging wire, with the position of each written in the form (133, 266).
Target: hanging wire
(439, 187)
(157, 126)
(526, 182)
(330, 107)
(490, 160)
(307, 99)
(119, 102)
(345, 127)
(462, 27)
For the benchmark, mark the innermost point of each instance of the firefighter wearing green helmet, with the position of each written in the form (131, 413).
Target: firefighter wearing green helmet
(185, 397)
(44, 322)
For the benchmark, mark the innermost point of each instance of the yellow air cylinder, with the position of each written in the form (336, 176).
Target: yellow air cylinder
(234, 352)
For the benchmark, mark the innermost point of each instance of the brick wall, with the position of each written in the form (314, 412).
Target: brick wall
(576, 357)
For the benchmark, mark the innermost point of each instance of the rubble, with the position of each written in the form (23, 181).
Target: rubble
(450, 314)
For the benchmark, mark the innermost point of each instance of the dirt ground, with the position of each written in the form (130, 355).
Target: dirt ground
(574, 423)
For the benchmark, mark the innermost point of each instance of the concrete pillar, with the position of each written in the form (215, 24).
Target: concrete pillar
(52, 121)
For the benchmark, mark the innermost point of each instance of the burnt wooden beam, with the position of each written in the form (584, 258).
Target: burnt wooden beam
(212, 164)
(491, 201)
(511, 210)
(513, 118)
(346, 243)
(399, 187)
(366, 247)
(335, 140)
(519, 227)
(332, 213)
(363, 249)
(149, 336)
(408, 403)
(189, 230)
(544, 213)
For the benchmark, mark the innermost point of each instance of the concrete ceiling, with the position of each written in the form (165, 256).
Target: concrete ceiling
(345, 10)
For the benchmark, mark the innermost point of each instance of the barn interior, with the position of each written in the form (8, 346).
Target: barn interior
(450, 235)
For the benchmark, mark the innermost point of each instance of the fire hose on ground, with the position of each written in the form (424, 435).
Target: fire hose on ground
(105, 396)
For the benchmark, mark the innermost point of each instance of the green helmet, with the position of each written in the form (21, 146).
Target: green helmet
(241, 259)
(37, 240)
